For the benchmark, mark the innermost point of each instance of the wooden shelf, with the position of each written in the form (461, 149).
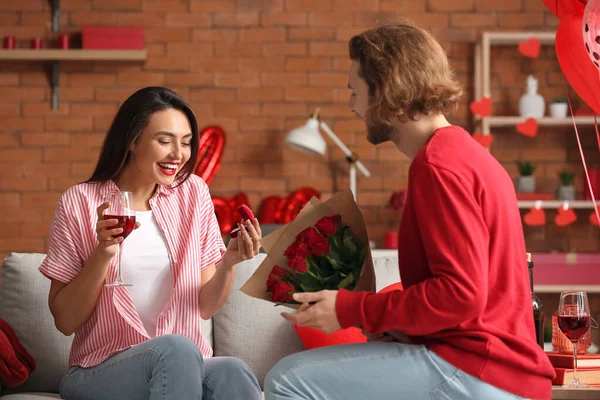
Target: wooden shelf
(512, 38)
(544, 121)
(73, 55)
(556, 204)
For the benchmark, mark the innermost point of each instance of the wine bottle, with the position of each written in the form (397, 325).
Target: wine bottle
(538, 307)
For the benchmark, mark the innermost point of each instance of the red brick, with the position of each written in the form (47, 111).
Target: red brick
(284, 18)
(261, 184)
(328, 49)
(21, 32)
(237, 110)
(405, 6)
(239, 169)
(68, 154)
(262, 35)
(225, 64)
(261, 124)
(146, 19)
(21, 93)
(21, 124)
(34, 200)
(76, 94)
(22, 245)
(521, 20)
(113, 95)
(535, 5)
(9, 200)
(9, 18)
(31, 184)
(260, 5)
(452, 6)
(41, 169)
(286, 169)
(322, 183)
(214, 35)
(474, 20)
(328, 79)
(117, 5)
(284, 79)
(238, 49)
(22, 5)
(9, 110)
(94, 109)
(20, 155)
(9, 140)
(206, 6)
(297, 64)
(309, 5)
(79, 140)
(236, 80)
(262, 64)
(506, 5)
(319, 94)
(357, 5)
(69, 124)
(186, 19)
(168, 63)
(45, 139)
(284, 110)
(331, 19)
(236, 19)
(94, 80)
(167, 34)
(312, 33)
(201, 50)
(139, 79)
(260, 94)
(210, 96)
(79, 18)
(342, 63)
(9, 78)
(35, 18)
(285, 49)
(178, 6)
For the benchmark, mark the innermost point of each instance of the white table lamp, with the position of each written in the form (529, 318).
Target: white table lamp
(308, 139)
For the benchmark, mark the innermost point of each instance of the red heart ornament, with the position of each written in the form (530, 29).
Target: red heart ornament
(210, 152)
(528, 128)
(530, 48)
(484, 140)
(482, 107)
(574, 61)
(565, 217)
(594, 219)
(535, 217)
(561, 8)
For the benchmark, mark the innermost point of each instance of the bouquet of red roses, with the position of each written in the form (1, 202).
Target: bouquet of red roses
(325, 248)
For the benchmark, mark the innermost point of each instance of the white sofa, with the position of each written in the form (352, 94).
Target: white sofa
(245, 327)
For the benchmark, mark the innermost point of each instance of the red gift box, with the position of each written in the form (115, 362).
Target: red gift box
(112, 37)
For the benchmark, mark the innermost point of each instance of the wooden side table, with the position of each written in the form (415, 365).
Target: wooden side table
(561, 393)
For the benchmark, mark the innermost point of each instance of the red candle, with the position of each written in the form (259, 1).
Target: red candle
(63, 41)
(391, 240)
(9, 42)
(36, 43)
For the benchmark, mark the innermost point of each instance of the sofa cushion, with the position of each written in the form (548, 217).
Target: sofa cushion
(24, 305)
(31, 396)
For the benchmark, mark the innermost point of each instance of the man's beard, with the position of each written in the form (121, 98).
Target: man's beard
(378, 133)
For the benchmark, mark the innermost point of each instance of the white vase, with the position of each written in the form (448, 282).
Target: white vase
(558, 110)
(526, 184)
(531, 104)
(566, 193)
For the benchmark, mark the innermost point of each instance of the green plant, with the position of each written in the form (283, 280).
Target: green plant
(559, 100)
(566, 177)
(525, 168)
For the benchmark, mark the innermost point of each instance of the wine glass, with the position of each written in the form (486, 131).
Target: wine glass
(574, 321)
(120, 208)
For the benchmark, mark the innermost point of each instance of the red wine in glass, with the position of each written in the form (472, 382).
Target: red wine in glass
(127, 222)
(573, 326)
(121, 209)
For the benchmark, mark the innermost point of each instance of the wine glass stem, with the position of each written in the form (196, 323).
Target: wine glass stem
(119, 249)
(575, 377)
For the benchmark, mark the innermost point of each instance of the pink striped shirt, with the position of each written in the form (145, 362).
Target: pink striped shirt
(186, 218)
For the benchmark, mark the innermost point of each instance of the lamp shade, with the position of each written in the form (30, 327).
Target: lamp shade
(307, 138)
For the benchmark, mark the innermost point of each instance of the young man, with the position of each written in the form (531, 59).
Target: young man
(466, 307)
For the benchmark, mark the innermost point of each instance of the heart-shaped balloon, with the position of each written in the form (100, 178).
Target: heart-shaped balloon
(295, 202)
(270, 210)
(574, 62)
(226, 210)
(591, 31)
(210, 152)
(562, 8)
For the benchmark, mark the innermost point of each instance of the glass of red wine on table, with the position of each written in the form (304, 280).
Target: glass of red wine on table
(121, 209)
(574, 321)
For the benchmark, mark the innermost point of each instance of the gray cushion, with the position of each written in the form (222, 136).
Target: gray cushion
(253, 329)
(31, 396)
(24, 305)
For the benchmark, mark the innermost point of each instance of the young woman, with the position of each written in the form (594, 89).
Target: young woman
(145, 341)
(466, 307)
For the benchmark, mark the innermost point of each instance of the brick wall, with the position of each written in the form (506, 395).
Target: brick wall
(257, 68)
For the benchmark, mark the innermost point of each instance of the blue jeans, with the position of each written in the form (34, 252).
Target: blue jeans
(168, 367)
(375, 370)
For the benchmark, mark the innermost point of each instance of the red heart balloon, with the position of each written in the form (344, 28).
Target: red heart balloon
(210, 152)
(574, 60)
(295, 202)
(562, 8)
(530, 48)
(270, 210)
(565, 217)
(535, 217)
(224, 213)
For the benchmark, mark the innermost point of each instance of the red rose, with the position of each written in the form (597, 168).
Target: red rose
(328, 225)
(297, 248)
(274, 277)
(319, 245)
(282, 293)
(308, 235)
(298, 263)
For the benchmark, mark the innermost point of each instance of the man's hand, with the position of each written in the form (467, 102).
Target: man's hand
(320, 315)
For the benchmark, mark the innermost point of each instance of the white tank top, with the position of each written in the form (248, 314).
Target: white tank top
(146, 265)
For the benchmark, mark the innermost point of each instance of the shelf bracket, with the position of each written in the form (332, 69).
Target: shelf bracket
(55, 84)
(55, 6)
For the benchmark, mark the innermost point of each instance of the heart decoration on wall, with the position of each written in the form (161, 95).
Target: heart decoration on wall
(210, 152)
(528, 128)
(535, 217)
(530, 48)
(482, 107)
(594, 219)
(484, 140)
(566, 216)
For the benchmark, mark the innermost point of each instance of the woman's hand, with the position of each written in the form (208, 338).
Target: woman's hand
(106, 240)
(245, 245)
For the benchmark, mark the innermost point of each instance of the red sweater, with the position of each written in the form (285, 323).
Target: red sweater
(461, 254)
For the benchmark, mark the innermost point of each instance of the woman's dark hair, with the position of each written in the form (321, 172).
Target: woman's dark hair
(130, 121)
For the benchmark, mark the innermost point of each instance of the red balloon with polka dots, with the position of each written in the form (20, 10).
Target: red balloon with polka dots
(591, 31)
